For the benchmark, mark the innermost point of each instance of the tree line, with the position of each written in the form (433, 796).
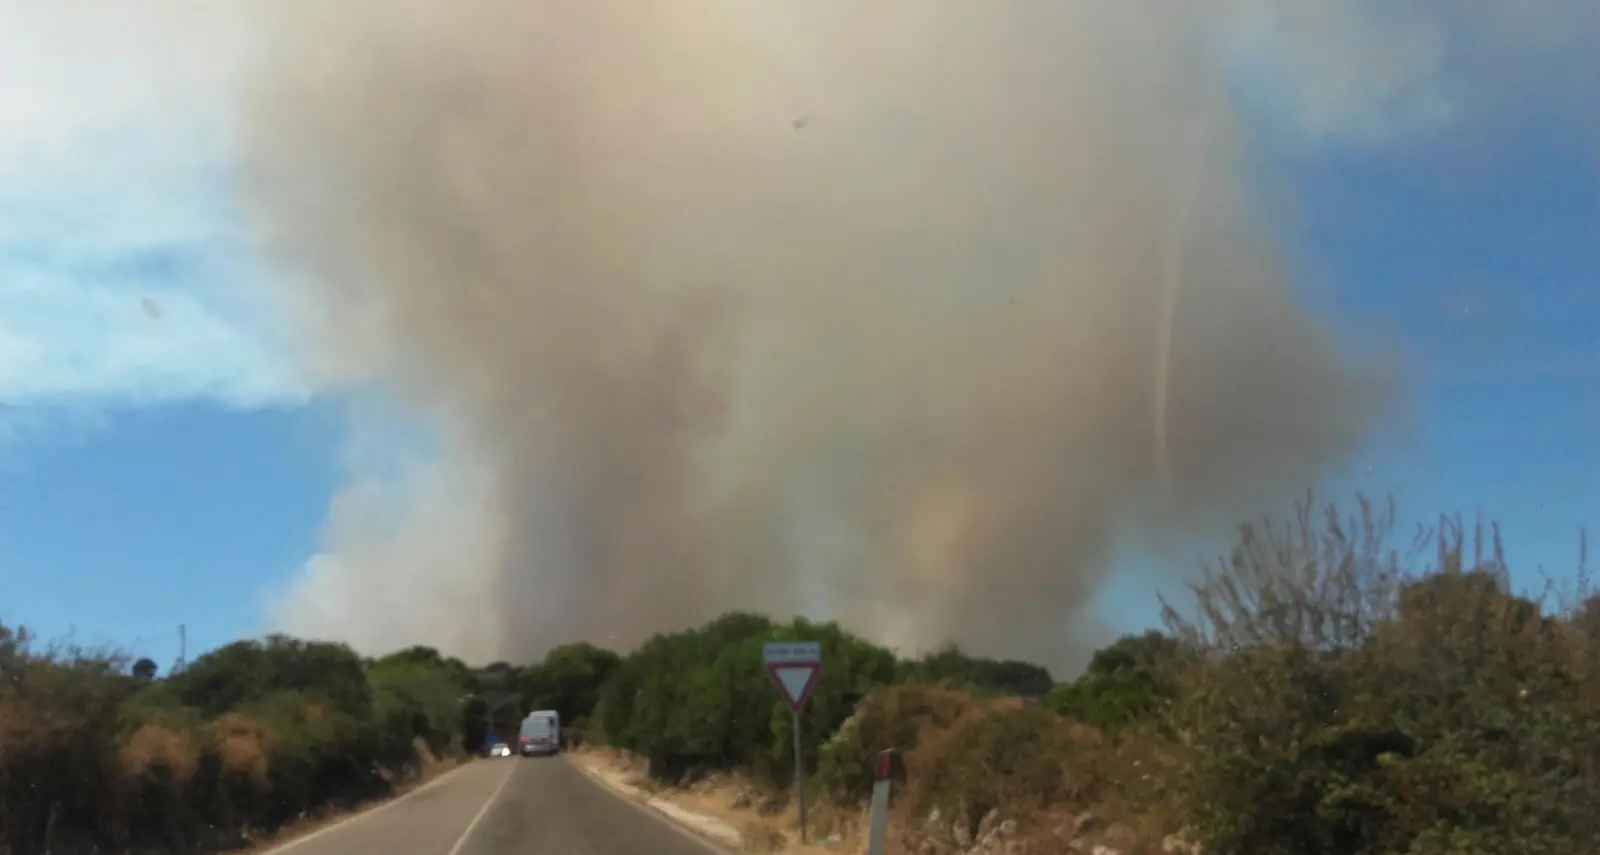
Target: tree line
(1313, 695)
(98, 755)
(98, 752)
(1327, 688)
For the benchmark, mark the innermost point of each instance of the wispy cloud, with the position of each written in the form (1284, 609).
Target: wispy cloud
(98, 311)
(125, 278)
(1342, 75)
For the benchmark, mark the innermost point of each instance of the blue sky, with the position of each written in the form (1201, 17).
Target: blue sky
(163, 463)
(1481, 257)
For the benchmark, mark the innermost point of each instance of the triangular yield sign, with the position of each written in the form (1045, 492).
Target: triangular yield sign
(795, 681)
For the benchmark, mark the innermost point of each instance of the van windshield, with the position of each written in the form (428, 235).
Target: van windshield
(537, 726)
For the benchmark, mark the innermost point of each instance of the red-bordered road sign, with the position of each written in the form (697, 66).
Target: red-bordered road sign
(794, 667)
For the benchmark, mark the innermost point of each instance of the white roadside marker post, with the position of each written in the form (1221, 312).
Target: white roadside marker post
(878, 817)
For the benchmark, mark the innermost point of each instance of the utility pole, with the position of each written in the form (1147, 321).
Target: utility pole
(183, 649)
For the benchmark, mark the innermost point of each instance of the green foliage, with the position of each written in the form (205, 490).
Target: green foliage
(1133, 681)
(689, 697)
(701, 698)
(568, 680)
(246, 671)
(1446, 715)
(1317, 699)
(984, 676)
(851, 668)
(414, 700)
(95, 756)
(459, 672)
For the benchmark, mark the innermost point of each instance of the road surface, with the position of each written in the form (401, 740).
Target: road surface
(506, 806)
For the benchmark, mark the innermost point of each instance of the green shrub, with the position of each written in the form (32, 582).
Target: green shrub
(567, 680)
(253, 736)
(701, 698)
(1381, 712)
(979, 675)
(1134, 681)
(1318, 698)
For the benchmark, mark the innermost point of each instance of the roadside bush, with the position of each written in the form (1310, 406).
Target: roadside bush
(697, 700)
(1135, 681)
(894, 717)
(1377, 711)
(971, 762)
(251, 737)
(1317, 697)
(979, 675)
(411, 701)
(989, 758)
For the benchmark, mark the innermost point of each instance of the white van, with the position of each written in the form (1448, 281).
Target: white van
(541, 733)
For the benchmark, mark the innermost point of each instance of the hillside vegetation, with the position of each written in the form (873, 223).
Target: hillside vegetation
(1313, 696)
(258, 735)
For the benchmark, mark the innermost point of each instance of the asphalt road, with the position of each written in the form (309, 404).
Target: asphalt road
(505, 806)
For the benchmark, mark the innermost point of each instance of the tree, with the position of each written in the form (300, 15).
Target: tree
(145, 669)
(415, 698)
(474, 723)
(567, 680)
(432, 658)
(246, 671)
(952, 665)
(1348, 705)
(1131, 680)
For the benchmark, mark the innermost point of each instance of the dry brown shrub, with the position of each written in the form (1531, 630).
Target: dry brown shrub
(31, 730)
(241, 745)
(896, 717)
(1036, 767)
(153, 747)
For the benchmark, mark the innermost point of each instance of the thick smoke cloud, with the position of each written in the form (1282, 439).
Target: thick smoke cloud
(890, 312)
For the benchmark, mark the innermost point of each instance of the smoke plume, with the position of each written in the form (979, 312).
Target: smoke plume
(887, 312)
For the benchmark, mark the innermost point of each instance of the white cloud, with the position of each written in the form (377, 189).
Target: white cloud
(125, 277)
(1360, 74)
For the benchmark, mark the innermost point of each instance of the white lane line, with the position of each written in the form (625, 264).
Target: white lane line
(483, 811)
(353, 819)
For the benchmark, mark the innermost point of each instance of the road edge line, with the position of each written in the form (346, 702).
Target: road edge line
(483, 811)
(362, 814)
(641, 802)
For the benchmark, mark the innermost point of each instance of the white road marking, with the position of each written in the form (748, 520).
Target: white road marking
(483, 811)
(351, 820)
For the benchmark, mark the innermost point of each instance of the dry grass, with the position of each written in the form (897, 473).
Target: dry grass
(758, 836)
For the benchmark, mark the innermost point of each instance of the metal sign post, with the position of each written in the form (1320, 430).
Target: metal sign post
(794, 667)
